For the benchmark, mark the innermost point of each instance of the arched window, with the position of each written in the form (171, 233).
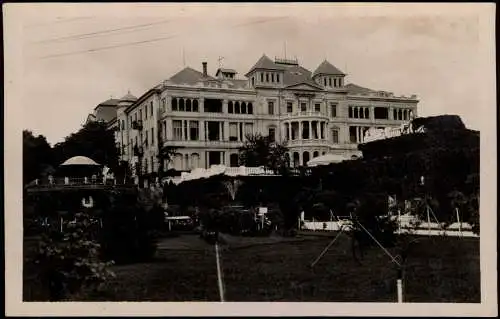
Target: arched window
(230, 107)
(233, 160)
(181, 105)
(315, 154)
(305, 158)
(237, 107)
(243, 108)
(195, 160)
(250, 108)
(174, 104)
(195, 105)
(188, 105)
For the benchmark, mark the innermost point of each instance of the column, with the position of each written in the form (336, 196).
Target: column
(318, 129)
(391, 113)
(169, 129)
(202, 131)
(226, 129)
(206, 131)
(300, 130)
(290, 129)
(221, 127)
(188, 137)
(201, 105)
(310, 129)
(372, 113)
(224, 106)
(221, 157)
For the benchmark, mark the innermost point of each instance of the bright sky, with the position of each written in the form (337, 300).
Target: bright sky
(77, 55)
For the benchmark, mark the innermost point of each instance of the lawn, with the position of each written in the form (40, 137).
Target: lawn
(440, 269)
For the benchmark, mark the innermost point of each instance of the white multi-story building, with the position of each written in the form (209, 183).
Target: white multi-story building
(208, 117)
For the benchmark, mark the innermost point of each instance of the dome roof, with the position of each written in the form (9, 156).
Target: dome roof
(80, 160)
(128, 98)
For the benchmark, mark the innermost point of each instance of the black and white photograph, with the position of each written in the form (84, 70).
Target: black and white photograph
(250, 159)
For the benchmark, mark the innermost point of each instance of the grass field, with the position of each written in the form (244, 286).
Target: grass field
(270, 269)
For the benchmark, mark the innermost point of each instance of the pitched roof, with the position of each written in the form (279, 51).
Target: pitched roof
(105, 113)
(356, 89)
(265, 63)
(189, 75)
(295, 74)
(113, 102)
(327, 68)
(225, 71)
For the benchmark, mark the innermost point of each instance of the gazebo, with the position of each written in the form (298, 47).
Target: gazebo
(79, 166)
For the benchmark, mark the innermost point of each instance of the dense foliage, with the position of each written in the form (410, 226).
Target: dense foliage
(37, 157)
(259, 150)
(69, 260)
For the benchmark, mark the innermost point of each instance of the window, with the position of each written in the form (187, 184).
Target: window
(262, 77)
(248, 129)
(289, 107)
(267, 77)
(152, 136)
(270, 107)
(177, 130)
(278, 78)
(174, 104)
(181, 105)
(333, 107)
(303, 107)
(243, 108)
(230, 107)
(335, 136)
(233, 131)
(272, 134)
(135, 116)
(237, 107)
(330, 82)
(272, 77)
(317, 107)
(186, 136)
(353, 134)
(253, 81)
(123, 125)
(140, 114)
(188, 105)
(367, 113)
(195, 105)
(324, 80)
(151, 108)
(194, 130)
(250, 108)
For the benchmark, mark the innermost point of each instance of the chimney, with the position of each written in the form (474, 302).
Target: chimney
(204, 68)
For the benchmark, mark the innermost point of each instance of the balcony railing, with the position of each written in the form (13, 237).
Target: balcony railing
(305, 114)
(93, 182)
(307, 142)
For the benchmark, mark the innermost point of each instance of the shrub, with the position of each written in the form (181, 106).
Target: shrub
(69, 261)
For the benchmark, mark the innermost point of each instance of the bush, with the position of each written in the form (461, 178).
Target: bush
(69, 261)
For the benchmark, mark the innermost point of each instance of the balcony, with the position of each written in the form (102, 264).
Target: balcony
(203, 144)
(137, 125)
(308, 142)
(306, 115)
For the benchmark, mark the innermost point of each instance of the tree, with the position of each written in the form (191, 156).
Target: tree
(37, 156)
(93, 140)
(259, 150)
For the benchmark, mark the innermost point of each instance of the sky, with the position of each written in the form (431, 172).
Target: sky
(74, 56)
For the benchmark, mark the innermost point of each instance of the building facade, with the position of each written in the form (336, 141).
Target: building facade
(207, 118)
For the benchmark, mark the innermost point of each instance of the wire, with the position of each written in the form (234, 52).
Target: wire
(100, 33)
(108, 47)
(143, 42)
